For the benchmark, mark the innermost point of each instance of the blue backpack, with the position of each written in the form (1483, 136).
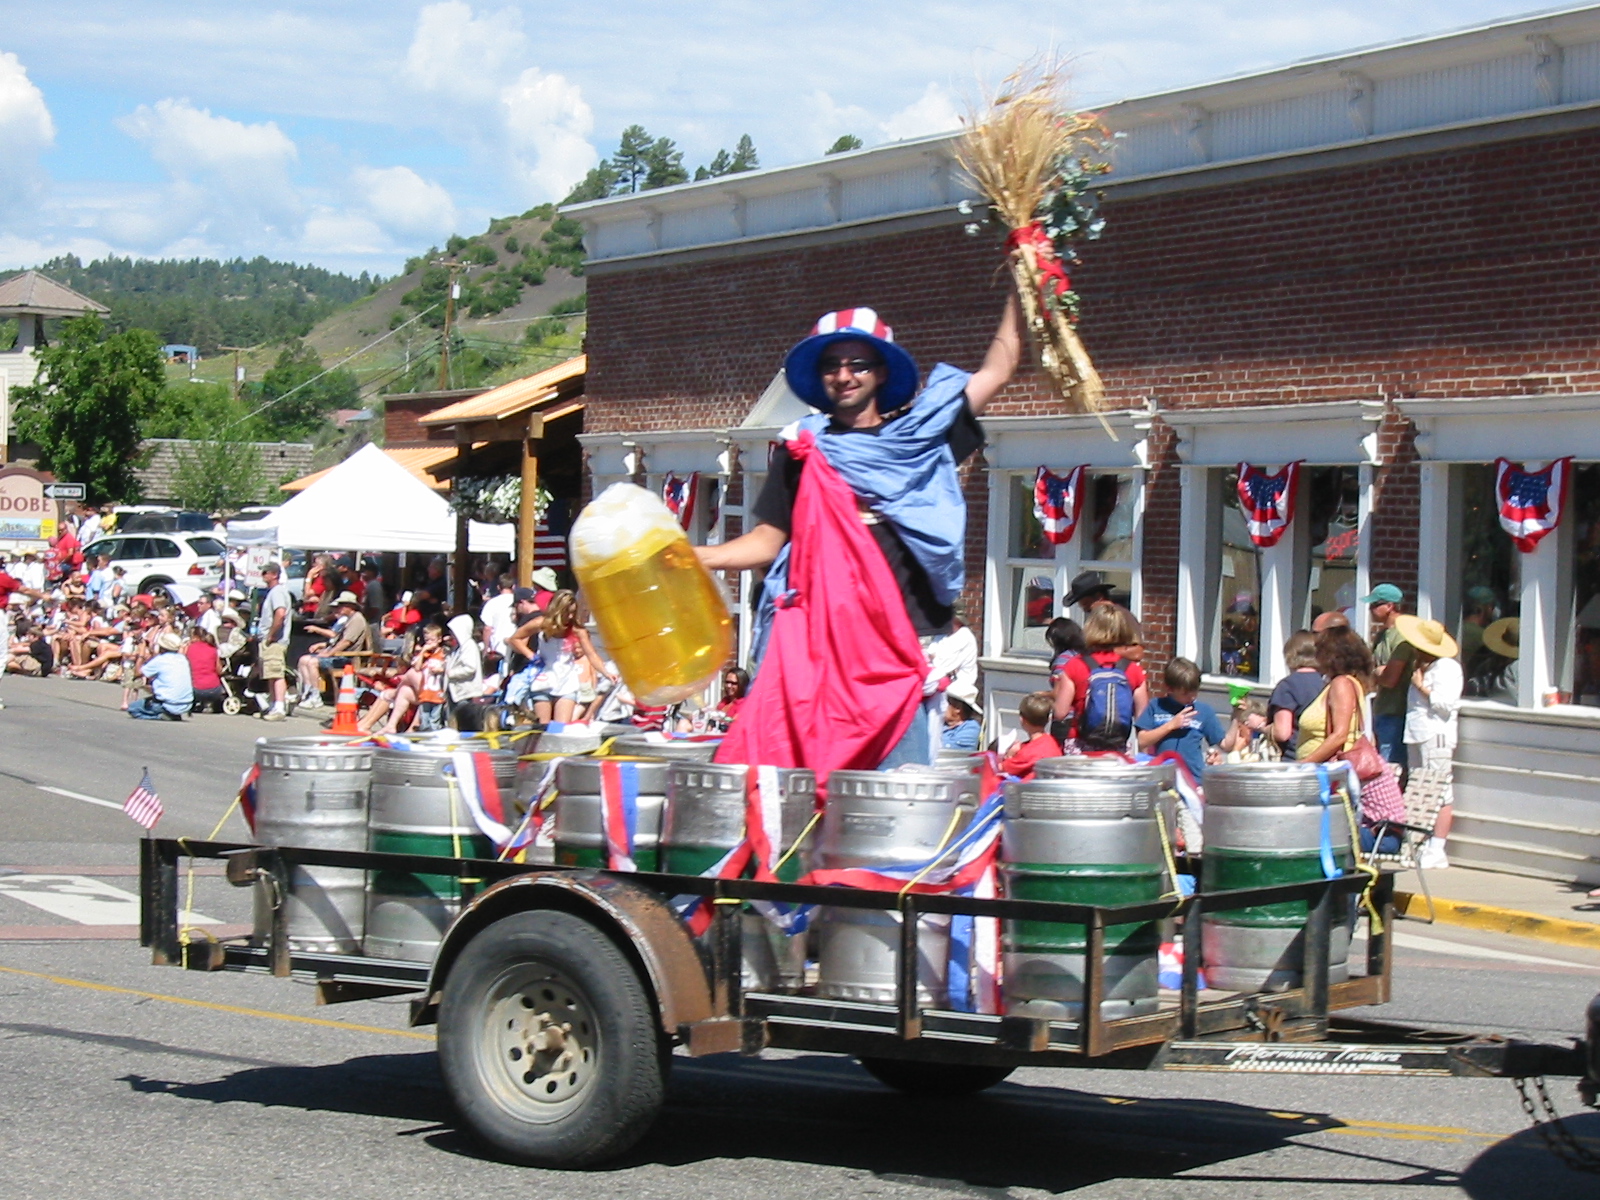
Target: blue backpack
(1107, 715)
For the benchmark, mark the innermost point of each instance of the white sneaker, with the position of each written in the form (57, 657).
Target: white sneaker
(275, 714)
(1433, 857)
(312, 701)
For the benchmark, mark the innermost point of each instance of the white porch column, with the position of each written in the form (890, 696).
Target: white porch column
(1277, 603)
(1193, 575)
(1364, 546)
(1433, 545)
(1546, 615)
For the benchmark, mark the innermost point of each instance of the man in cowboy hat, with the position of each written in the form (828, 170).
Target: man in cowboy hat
(1089, 590)
(171, 685)
(351, 636)
(864, 517)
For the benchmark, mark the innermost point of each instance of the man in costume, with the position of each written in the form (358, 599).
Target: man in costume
(863, 524)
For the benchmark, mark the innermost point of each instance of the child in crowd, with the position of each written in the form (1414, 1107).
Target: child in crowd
(1250, 719)
(430, 696)
(1180, 721)
(1034, 715)
(204, 671)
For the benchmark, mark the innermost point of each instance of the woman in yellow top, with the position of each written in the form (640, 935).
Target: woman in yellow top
(1332, 722)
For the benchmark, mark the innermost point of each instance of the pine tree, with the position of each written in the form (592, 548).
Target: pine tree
(665, 163)
(632, 161)
(744, 156)
(846, 142)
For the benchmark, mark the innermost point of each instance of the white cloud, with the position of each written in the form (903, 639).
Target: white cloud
(932, 112)
(228, 180)
(26, 130)
(829, 121)
(548, 124)
(403, 203)
(534, 125)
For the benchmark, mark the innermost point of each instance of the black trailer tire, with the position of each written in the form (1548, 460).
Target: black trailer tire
(548, 1042)
(933, 1079)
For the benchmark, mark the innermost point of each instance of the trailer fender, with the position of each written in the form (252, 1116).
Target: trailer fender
(640, 920)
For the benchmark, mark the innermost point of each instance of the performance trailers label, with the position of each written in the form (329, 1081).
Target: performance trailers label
(1306, 1060)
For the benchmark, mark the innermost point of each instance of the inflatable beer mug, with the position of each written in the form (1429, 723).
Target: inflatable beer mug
(662, 616)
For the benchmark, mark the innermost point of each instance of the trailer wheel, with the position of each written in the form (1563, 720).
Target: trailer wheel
(933, 1079)
(548, 1042)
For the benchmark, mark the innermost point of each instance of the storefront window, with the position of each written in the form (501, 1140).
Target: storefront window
(1491, 589)
(1108, 516)
(1332, 499)
(1031, 572)
(1238, 608)
(1584, 499)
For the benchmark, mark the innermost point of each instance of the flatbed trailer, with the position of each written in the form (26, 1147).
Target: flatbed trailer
(560, 993)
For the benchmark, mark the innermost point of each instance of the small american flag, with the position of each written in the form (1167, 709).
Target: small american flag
(143, 805)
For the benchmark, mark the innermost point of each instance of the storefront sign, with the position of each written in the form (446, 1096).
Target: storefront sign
(26, 513)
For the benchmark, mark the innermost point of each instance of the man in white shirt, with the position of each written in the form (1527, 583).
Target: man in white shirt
(499, 622)
(90, 528)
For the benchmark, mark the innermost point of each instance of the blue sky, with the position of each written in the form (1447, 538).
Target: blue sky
(353, 133)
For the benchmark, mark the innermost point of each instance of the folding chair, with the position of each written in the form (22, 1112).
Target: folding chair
(1426, 793)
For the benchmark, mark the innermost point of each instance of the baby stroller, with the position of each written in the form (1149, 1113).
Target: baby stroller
(241, 680)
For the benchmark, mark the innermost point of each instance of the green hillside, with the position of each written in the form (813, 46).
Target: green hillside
(205, 303)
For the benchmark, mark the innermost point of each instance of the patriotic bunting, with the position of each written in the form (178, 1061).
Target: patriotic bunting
(679, 497)
(1267, 501)
(1058, 503)
(619, 812)
(1531, 502)
(247, 795)
(474, 774)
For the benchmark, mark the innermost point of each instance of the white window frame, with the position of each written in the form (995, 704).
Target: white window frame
(1067, 562)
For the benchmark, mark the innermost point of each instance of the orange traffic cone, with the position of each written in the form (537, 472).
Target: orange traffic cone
(344, 710)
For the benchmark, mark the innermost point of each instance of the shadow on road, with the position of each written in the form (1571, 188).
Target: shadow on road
(828, 1112)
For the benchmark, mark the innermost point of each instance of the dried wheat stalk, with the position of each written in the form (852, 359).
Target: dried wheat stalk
(1013, 150)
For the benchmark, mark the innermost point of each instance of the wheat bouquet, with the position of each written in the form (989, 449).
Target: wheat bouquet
(1035, 161)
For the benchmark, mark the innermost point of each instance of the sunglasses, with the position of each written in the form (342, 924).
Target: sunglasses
(856, 366)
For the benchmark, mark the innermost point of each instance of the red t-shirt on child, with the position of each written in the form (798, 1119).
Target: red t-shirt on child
(1078, 671)
(203, 665)
(1021, 760)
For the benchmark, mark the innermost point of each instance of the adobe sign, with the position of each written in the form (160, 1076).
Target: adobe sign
(26, 513)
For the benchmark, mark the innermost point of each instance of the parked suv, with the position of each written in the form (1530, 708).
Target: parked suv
(162, 520)
(150, 560)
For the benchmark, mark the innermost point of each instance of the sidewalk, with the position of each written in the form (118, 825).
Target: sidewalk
(1546, 909)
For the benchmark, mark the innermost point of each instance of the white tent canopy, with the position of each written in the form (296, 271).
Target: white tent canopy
(370, 502)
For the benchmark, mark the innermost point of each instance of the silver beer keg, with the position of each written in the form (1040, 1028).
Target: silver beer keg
(880, 819)
(312, 793)
(579, 834)
(1265, 824)
(1093, 840)
(705, 819)
(417, 808)
(642, 745)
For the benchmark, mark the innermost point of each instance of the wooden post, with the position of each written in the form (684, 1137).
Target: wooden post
(527, 519)
(459, 573)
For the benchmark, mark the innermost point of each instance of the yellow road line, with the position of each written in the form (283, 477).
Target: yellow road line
(65, 981)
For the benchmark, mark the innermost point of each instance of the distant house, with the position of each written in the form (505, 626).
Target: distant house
(30, 299)
(179, 353)
(280, 461)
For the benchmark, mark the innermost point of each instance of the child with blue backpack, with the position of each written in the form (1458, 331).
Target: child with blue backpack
(1107, 681)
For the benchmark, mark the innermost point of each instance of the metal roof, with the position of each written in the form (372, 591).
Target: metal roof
(415, 461)
(520, 395)
(33, 293)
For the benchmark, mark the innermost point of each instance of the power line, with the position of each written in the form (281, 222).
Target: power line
(327, 370)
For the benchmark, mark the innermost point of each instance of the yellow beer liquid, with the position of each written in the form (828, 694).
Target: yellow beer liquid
(661, 614)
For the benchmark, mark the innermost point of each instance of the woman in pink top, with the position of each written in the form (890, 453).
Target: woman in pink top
(202, 655)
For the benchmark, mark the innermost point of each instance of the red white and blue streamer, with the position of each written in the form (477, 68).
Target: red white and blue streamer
(474, 772)
(1058, 503)
(247, 795)
(619, 813)
(1531, 502)
(1268, 501)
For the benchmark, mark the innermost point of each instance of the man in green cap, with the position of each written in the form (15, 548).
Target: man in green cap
(1392, 660)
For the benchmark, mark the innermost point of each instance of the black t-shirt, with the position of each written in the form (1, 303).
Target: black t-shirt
(775, 506)
(40, 649)
(1294, 691)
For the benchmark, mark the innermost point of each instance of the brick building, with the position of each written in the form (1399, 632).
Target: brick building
(1382, 265)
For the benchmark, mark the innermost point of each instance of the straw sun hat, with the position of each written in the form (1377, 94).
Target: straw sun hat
(1428, 636)
(1504, 637)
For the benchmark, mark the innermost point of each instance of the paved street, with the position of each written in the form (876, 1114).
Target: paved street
(128, 1081)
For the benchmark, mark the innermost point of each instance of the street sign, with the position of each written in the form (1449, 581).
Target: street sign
(65, 491)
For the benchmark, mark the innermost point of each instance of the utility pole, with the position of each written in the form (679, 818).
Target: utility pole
(452, 294)
(238, 370)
